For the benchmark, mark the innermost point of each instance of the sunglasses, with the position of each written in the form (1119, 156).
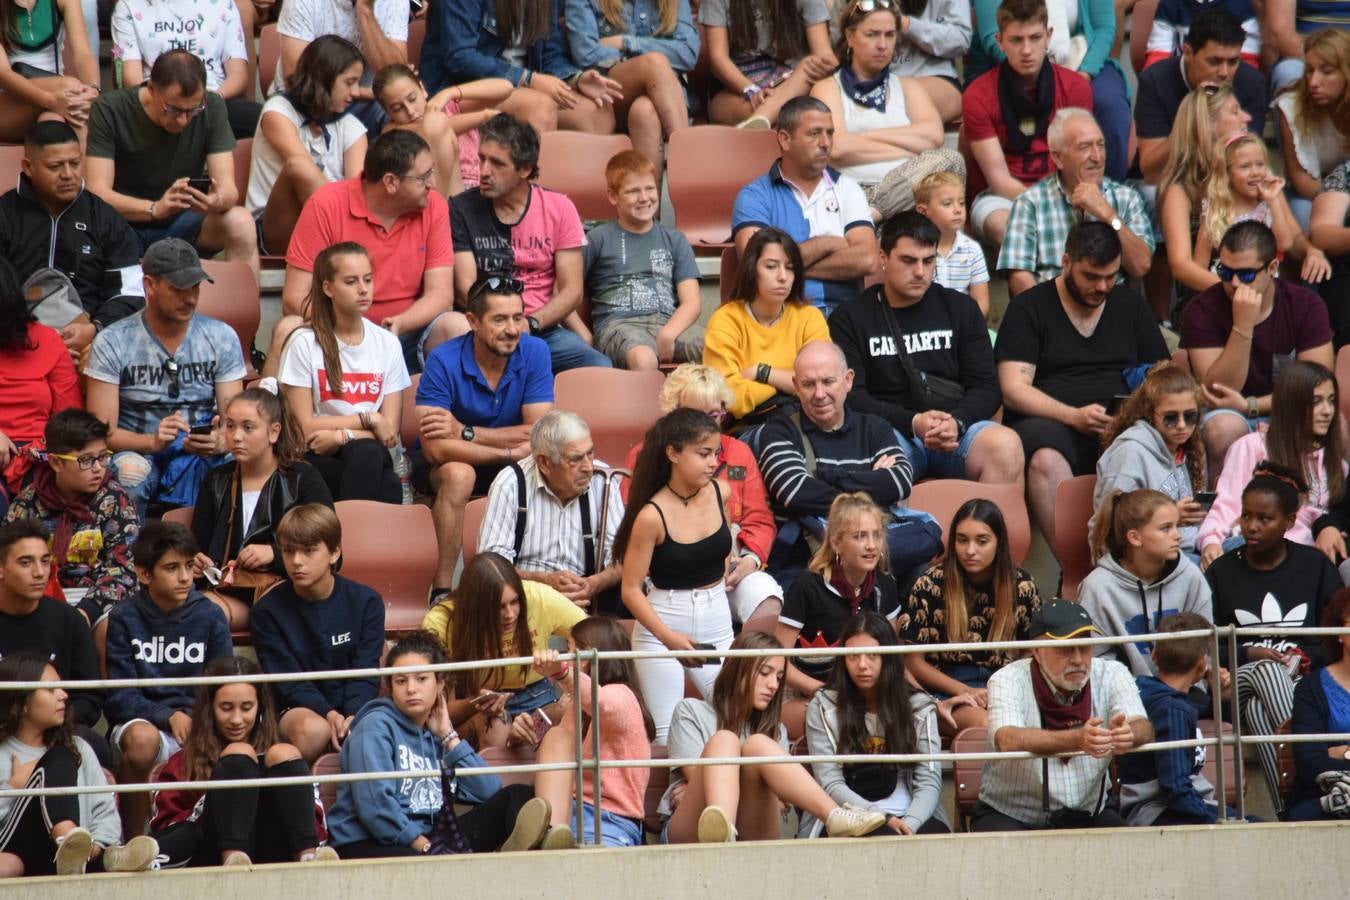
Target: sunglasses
(864, 7)
(175, 386)
(1174, 418)
(496, 284)
(103, 460)
(1246, 276)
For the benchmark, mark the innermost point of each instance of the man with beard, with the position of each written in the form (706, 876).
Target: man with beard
(479, 396)
(1065, 349)
(509, 225)
(1059, 700)
(1079, 191)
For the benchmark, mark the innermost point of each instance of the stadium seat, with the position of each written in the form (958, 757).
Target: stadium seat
(392, 549)
(269, 56)
(966, 773)
(1231, 760)
(1182, 360)
(1343, 380)
(1141, 24)
(233, 299)
(1284, 755)
(941, 498)
(1073, 509)
(726, 278)
(573, 163)
(407, 429)
(657, 783)
(512, 756)
(706, 166)
(417, 32)
(243, 164)
(182, 515)
(473, 521)
(618, 405)
(328, 764)
(11, 155)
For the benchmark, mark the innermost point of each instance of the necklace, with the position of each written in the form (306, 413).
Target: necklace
(772, 322)
(685, 500)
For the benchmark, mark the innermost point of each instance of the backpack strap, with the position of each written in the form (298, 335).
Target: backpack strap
(587, 532)
(521, 507)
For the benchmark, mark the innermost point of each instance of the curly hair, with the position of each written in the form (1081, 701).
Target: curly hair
(1162, 380)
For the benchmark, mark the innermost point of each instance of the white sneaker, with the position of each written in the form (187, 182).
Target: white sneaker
(850, 822)
(321, 854)
(755, 123)
(136, 855)
(715, 827)
(72, 851)
(237, 858)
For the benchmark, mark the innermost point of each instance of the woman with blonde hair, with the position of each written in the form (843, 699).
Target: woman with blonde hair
(1314, 118)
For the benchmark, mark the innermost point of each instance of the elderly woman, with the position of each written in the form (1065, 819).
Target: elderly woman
(753, 592)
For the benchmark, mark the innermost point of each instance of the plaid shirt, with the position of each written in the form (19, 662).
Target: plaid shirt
(1013, 786)
(1042, 216)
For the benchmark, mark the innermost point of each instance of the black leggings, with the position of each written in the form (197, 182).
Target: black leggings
(486, 827)
(359, 470)
(270, 824)
(27, 831)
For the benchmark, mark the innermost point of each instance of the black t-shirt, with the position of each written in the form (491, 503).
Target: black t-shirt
(1291, 595)
(1162, 87)
(815, 609)
(57, 631)
(1070, 368)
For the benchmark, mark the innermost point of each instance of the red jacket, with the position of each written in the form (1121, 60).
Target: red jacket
(170, 806)
(749, 503)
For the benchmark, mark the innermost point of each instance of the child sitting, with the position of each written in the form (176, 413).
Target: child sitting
(941, 197)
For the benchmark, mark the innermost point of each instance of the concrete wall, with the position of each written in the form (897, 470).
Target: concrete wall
(1306, 861)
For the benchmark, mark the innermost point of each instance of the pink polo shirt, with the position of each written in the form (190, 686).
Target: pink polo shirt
(399, 255)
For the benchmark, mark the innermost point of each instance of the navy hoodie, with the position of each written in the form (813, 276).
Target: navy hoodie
(397, 812)
(1167, 780)
(344, 631)
(144, 642)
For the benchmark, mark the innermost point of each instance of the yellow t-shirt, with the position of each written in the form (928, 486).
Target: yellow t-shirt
(734, 340)
(547, 612)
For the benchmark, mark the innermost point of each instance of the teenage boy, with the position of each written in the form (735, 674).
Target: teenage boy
(641, 276)
(1167, 787)
(317, 621)
(961, 266)
(165, 630)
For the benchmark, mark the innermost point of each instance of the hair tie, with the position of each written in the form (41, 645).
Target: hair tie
(1260, 472)
(1235, 136)
(268, 384)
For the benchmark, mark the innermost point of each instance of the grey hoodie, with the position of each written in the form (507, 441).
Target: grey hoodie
(1120, 603)
(924, 780)
(1138, 458)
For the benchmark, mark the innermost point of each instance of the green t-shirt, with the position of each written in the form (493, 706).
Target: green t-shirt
(147, 158)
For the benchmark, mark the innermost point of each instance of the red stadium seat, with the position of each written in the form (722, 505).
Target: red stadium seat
(407, 430)
(233, 299)
(1284, 755)
(706, 166)
(392, 548)
(1343, 380)
(618, 405)
(573, 163)
(328, 764)
(182, 515)
(941, 498)
(1141, 23)
(1073, 509)
(966, 773)
(11, 155)
(657, 783)
(269, 55)
(243, 164)
(473, 521)
(1231, 762)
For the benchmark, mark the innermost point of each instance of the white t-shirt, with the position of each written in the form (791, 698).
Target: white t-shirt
(371, 370)
(143, 29)
(250, 503)
(306, 20)
(327, 153)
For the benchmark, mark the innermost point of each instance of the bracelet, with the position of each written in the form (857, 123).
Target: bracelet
(450, 735)
(364, 419)
(762, 373)
(561, 673)
(1252, 412)
(749, 91)
(346, 436)
(1240, 333)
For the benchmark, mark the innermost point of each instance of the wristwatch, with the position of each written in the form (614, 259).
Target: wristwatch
(466, 434)
(533, 324)
(1116, 224)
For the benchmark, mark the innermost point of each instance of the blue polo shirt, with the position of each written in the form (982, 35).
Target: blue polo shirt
(452, 380)
(836, 205)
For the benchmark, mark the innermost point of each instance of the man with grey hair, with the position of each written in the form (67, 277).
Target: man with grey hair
(1042, 215)
(553, 515)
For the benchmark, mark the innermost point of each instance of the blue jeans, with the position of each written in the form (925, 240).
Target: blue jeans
(1111, 108)
(615, 830)
(187, 225)
(940, 463)
(139, 475)
(569, 351)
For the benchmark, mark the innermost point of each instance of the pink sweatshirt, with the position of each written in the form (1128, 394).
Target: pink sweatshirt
(1242, 457)
(622, 736)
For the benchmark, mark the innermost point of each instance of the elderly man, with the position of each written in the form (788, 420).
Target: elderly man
(810, 457)
(1041, 217)
(551, 514)
(1060, 700)
(476, 402)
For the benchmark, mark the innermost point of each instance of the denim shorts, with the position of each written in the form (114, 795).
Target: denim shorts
(615, 830)
(929, 463)
(186, 226)
(531, 697)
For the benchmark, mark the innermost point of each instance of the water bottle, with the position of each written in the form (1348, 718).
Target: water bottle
(403, 469)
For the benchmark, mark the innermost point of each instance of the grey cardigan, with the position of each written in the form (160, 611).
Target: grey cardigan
(98, 812)
(924, 780)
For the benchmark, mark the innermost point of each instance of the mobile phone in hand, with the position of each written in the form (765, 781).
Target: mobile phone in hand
(1206, 498)
(1117, 401)
(200, 184)
(201, 430)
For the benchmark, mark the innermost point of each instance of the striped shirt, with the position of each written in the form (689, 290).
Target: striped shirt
(962, 267)
(553, 538)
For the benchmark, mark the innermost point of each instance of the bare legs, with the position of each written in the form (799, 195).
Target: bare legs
(729, 109)
(944, 95)
(308, 731)
(1047, 469)
(234, 232)
(996, 456)
(653, 106)
(453, 482)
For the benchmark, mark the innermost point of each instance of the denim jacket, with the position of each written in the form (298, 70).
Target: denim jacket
(462, 44)
(586, 25)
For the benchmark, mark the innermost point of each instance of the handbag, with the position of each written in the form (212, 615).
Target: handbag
(872, 781)
(926, 391)
(446, 836)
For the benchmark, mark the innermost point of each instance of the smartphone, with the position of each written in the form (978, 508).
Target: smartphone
(200, 184)
(201, 429)
(1117, 401)
(483, 699)
(542, 723)
(1206, 498)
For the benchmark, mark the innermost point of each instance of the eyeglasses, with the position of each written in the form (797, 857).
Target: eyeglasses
(717, 414)
(496, 284)
(1174, 418)
(1246, 276)
(175, 386)
(178, 112)
(424, 179)
(103, 460)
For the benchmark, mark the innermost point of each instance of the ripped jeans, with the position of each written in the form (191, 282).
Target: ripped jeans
(139, 475)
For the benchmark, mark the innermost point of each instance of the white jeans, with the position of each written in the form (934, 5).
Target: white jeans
(704, 615)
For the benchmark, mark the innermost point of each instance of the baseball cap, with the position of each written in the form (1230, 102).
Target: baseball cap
(1059, 620)
(176, 261)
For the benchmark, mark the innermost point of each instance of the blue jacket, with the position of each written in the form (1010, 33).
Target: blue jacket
(392, 812)
(143, 642)
(462, 44)
(586, 25)
(1167, 780)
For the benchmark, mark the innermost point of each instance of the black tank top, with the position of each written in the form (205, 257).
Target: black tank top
(681, 567)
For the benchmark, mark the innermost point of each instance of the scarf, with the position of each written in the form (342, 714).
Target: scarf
(1055, 716)
(68, 514)
(871, 93)
(307, 119)
(855, 599)
(1019, 110)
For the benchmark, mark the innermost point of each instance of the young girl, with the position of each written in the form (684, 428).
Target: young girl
(1243, 188)
(410, 730)
(1305, 435)
(763, 53)
(32, 83)
(849, 572)
(1141, 576)
(54, 835)
(1314, 118)
(1272, 582)
(448, 122)
(493, 615)
(675, 533)
(343, 379)
(868, 707)
(1154, 442)
(239, 505)
(1322, 706)
(626, 732)
(306, 138)
(716, 804)
(754, 336)
(974, 594)
(234, 736)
